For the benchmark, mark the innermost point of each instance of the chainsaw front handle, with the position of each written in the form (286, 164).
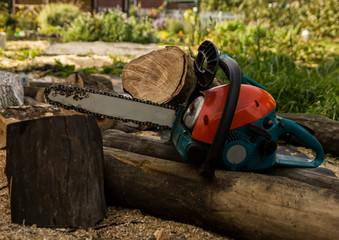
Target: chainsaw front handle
(307, 139)
(233, 72)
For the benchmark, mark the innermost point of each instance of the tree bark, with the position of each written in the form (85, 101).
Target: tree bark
(55, 171)
(162, 148)
(142, 145)
(323, 128)
(238, 204)
(162, 76)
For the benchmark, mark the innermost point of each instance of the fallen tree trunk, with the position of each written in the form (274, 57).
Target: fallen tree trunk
(162, 148)
(142, 145)
(238, 204)
(323, 128)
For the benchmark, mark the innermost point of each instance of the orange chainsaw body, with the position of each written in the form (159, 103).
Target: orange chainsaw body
(253, 104)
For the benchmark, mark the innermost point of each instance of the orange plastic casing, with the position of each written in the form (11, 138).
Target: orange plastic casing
(253, 104)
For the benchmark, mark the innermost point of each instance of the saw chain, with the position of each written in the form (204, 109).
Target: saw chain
(78, 93)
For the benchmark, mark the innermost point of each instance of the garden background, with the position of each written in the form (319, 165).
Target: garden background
(290, 47)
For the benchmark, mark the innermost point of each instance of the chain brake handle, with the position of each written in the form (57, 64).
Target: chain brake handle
(304, 137)
(231, 68)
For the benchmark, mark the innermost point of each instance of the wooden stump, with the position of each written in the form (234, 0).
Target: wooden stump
(16, 114)
(162, 76)
(55, 171)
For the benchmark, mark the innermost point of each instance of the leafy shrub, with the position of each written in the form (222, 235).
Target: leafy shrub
(114, 27)
(7, 21)
(83, 28)
(142, 30)
(111, 27)
(174, 25)
(319, 16)
(54, 17)
(26, 21)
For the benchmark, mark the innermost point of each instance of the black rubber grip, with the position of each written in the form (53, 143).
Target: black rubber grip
(233, 72)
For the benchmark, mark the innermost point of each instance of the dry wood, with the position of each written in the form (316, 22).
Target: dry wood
(323, 128)
(143, 145)
(54, 168)
(162, 76)
(238, 204)
(23, 113)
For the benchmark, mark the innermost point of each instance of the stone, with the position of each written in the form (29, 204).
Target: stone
(11, 90)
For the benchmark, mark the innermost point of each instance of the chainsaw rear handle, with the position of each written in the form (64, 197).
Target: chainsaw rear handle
(307, 139)
(233, 72)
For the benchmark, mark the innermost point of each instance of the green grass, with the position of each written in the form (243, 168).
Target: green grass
(296, 88)
(20, 54)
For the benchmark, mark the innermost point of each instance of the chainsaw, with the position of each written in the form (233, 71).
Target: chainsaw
(233, 126)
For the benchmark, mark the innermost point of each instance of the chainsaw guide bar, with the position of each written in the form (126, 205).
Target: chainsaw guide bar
(109, 105)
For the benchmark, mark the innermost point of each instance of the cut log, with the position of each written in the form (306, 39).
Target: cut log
(240, 205)
(162, 76)
(54, 168)
(323, 128)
